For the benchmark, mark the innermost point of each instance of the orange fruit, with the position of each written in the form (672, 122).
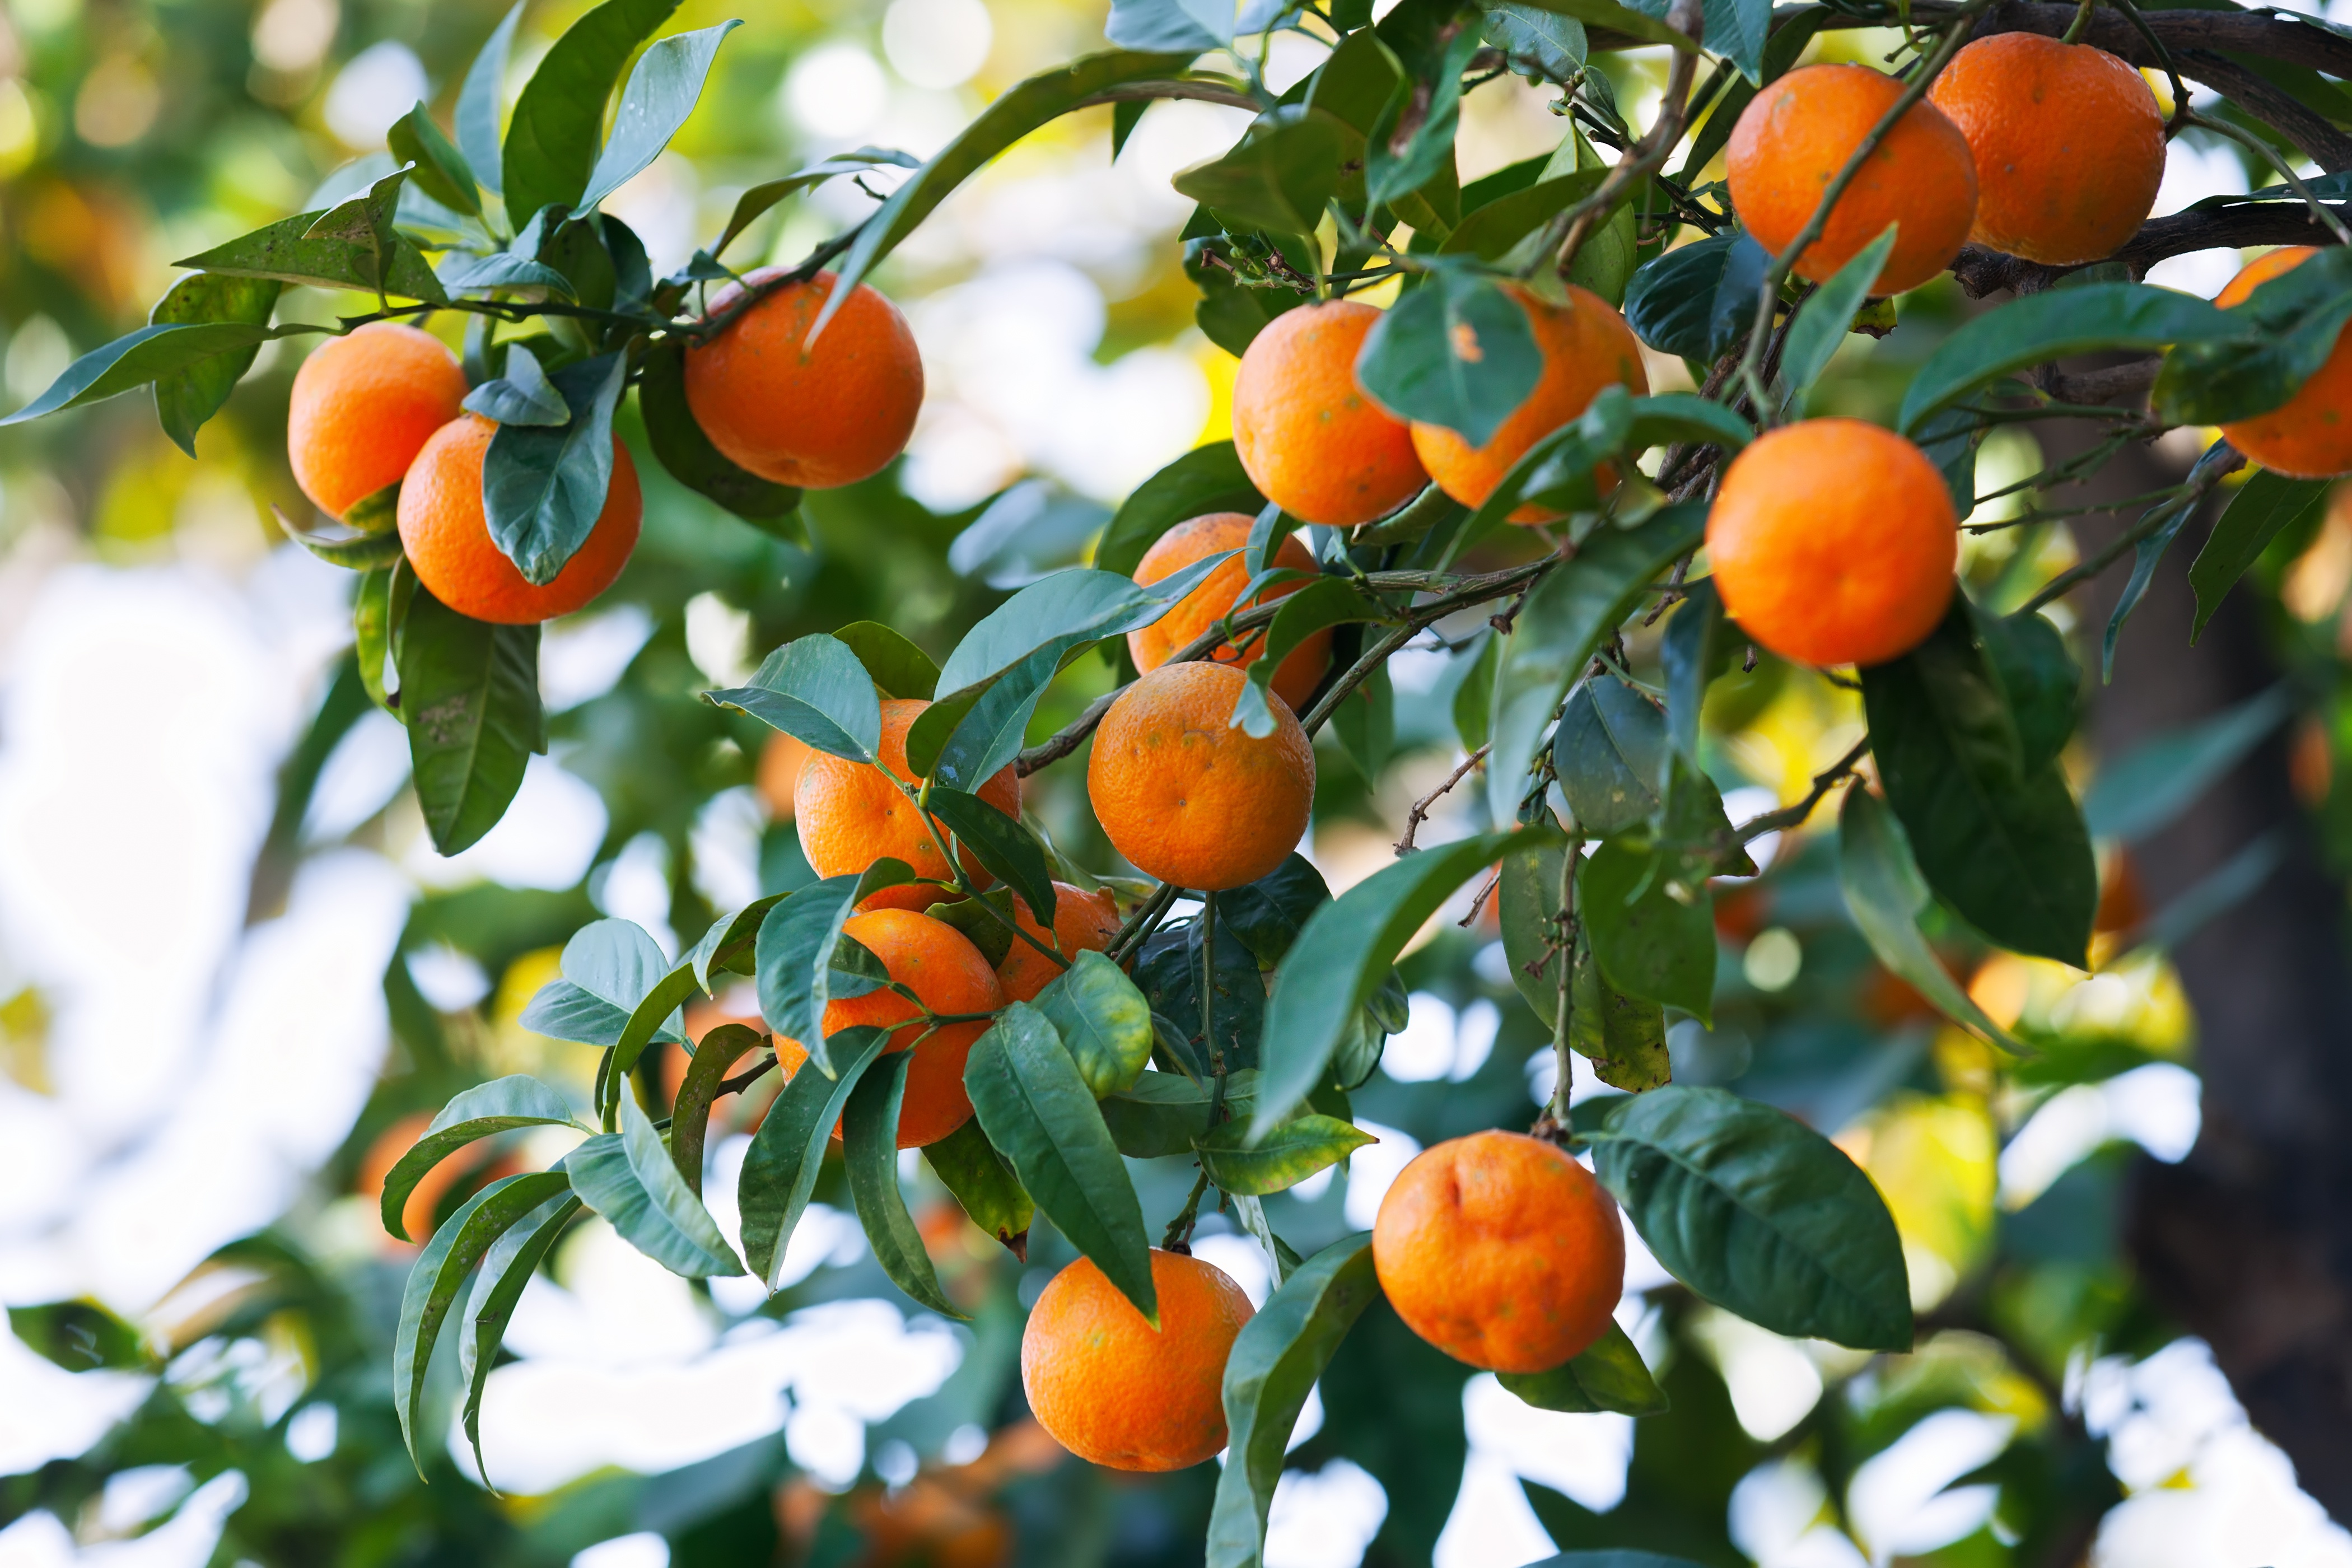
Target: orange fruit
(1502, 1251)
(851, 815)
(1797, 134)
(1082, 921)
(2068, 144)
(364, 407)
(1834, 541)
(2310, 436)
(1201, 608)
(780, 771)
(1113, 1392)
(1188, 797)
(1310, 439)
(817, 416)
(937, 963)
(448, 535)
(1586, 346)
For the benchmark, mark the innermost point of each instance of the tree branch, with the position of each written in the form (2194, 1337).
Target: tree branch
(1982, 272)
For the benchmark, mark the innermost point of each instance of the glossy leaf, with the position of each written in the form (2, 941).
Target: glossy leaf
(1490, 232)
(755, 202)
(1563, 619)
(1623, 1037)
(1610, 17)
(186, 397)
(463, 273)
(970, 1168)
(2146, 789)
(1610, 1375)
(1695, 649)
(1282, 1159)
(1825, 317)
(613, 978)
(787, 1151)
(1610, 753)
(1698, 300)
(1648, 941)
(1266, 915)
(2056, 324)
(728, 944)
(1758, 1213)
(1007, 850)
(1039, 1115)
(1064, 610)
(2281, 334)
(292, 252)
(687, 453)
(1275, 1364)
(543, 486)
(374, 626)
(481, 100)
(1278, 176)
(661, 92)
(870, 1135)
(1474, 699)
(506, 1270)
(438, 168)
(1365, 724)
(469, 695)
(629, 1178)
(1553, 44)
(816, 690)
(1167, 970)
(1205, 479)
(1685, 417)
(899, 669)
(552, 143)
(483, 1112)
(1160, 1113)
(796, 954)
(149, 354)
(1187, 27)
(1458, 351)
(1885, 895)
(2267, 505)
(1318, 606)
(1103, 1020)
(689, 1118)
(523, 395)
(2041, 680)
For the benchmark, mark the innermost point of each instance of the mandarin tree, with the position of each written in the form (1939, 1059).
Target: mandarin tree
(1563, 429)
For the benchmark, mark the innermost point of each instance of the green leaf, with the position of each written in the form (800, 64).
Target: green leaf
(439, 169)
(187, 398)
(559, 119)
(1365, 724)
(151, 353)
(2005, 848)
(1457, 352)
(441, 1270)
(354, 551)
(1825, 317)
(1282, 1159)
(1343, 955)
(2148, 787)
(1409, 155)
(796, 954)
(375, 624)
(662, 91)
(899, 668)
(1184, 26)
(1553, 44)
(1685, 417)
(290, 251)
(1474, 699)
(507, 1269)
(1276, 1361)
(1160, 1113)
(1039, 1113)
(754, 203)
(1610, 1375)
(1737, 30)
(499, 1106)
(1278, 176)
(787, 1152)
(678, 441)
(480, 100)
(689, 1116)
(1040, 100)
(523, 396)
(630, 1179)
(968, 1166)
(1064, 611)
(2148, 550)
(2041, 678)
(1610, 753)
(984, 930)
(611, 969)
(469, 694)
(1695, 650)
(1205, 479)
(1491, 231)
(2280, 336)
(2057, 324)
(870, 1135)
(1323, 604)
(1612, 17)
(1698, 300)
(1169, 970)
(1266, 915)
(1103, 1021)
(543, 488)
(1647, 941)
(1758, 1213)
(2266, 506)
(1005, 848)
(1885, 895)
(816, 690)
(1623, 1037)
(728, 944)
(467, 273)
(1564, 618)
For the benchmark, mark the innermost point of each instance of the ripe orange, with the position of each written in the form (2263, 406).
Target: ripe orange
(2310, 436)
(817, 416)
(1082, 921)
(2068, 144)
(851, 815)
(1502, 1251)
(1797, 134)
(1586, 346)
(939, 965)
(448, 535)
(780, 771)
(364, 407)
(1310, 439)
(1116, 1394)
(1197, 611)
(1185, 795)
(1834, 541)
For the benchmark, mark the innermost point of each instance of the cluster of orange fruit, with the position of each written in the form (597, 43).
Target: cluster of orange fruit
(383, 406)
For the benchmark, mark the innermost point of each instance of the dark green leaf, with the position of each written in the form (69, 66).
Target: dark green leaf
(629, 1178)
(2266, 506)
(1623, 1037)
(374, 626)
(2148, 550)
(1038, 1112)
(466, 273)
(1002, 846)
(1277, 176)
(1184, 26)
(979, 920)
(1612, 17)
(290, 252)
(816, 690)
(2283, 332)
(499, 1106)
(1698, 301)
(469, 694)
(787, 1152)
(1552, 44)
(1274, 1365)
(1695, 650)
(1491, 231)
(2044, 684)
(1103, 1020)
(559, 119)
(612, 973)
(1736, 29)
(523, 396)
(480, 100)
(1282, 1159)
(1409, 156)
(728, 944)
(689, 1116)
(149, 354)
(1474, 699)
(1685, 417)
(1266, 915)
(1648, 941)
(1825, 317)
(1610, 753)
(187, 398)
(2057, 324)
(1160, 1113)
(1758, 1213)
(968, 1166)
(796, 954)
(1064, 612)
(507, 1269)
(1610, 1375)
(2148, 787)
(1457, 352)
(543, 488)
(1323, 604)
(1885, 895)
(1169, 969)
(662, 91)
(678, 441)
(1205, 479)
(439, 169)
(353, 550)
(1365, 724)
(869, 1137)
(899, 668)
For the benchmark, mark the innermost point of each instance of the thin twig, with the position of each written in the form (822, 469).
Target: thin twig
(1789, 817)
(2220, 458)
(1420, 812)
(1644, 158)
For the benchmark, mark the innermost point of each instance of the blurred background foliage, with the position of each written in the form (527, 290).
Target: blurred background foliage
(1058, 334)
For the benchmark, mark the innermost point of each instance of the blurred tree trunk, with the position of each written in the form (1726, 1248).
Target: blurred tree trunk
(2247, 1242)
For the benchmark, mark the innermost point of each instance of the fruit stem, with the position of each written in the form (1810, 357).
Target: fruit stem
(1563, 976)
(1140, 924)
(2081, 24)
(1177, 1237)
